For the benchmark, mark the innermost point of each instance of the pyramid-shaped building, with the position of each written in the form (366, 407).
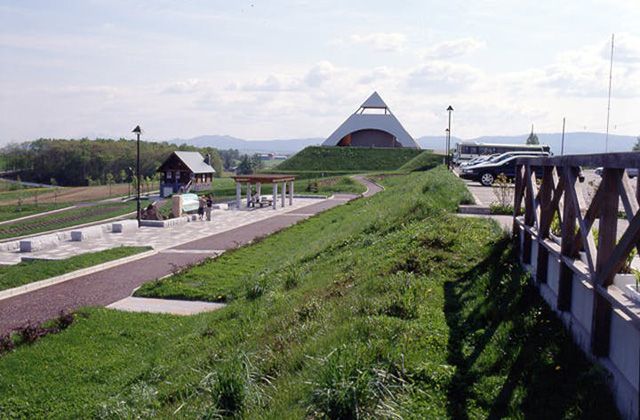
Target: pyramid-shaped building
(372, 125)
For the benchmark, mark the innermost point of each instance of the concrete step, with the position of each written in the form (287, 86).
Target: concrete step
(473, 209)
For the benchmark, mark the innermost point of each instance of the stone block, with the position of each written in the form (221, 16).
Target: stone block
(93, 232)
(124, 226)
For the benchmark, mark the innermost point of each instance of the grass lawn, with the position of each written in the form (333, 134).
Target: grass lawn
(32, 271)
(226, 187)
(67, 218)
(316, 158)
(392, 307)
(422, 162)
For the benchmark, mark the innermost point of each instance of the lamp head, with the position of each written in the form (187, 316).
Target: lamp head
(450, 108)
(137, 130)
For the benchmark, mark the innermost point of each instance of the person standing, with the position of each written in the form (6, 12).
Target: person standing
(209, 207)
(201, 204)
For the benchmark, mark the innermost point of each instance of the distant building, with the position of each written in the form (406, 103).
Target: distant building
(185, 171)
(271, 156)
(372, 125)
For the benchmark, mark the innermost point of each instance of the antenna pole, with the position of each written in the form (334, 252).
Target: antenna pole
(606, 139)
(562, 147)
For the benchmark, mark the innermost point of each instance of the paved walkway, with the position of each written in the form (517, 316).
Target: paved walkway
(108, 286)
(162, 238)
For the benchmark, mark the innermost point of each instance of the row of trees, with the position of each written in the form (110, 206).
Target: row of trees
(91, 162)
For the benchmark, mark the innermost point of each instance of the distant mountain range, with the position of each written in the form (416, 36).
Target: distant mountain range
(251, 146)
(574, 143)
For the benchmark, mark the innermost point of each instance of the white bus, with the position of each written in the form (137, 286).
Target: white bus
(471, 149)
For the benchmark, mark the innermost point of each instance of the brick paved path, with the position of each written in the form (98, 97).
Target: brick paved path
(108, 286)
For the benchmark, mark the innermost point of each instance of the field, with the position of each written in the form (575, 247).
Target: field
(67, 194)
(67, 218)
(32, 271)
(13, 211)
(392, 308)
(315, 158)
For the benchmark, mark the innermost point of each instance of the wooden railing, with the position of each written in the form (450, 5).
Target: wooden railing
(559, 194)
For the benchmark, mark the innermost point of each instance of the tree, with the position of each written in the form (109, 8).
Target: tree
(109, 178)
(244, 168)
(636, 147)
(54, 183)
(533, 138)
(122, 176)
(256, 162)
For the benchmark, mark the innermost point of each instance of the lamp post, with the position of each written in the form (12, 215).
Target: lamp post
(446, 147)
(449, 110)
(137, 130)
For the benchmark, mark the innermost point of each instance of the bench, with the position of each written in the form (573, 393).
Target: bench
(262, 201)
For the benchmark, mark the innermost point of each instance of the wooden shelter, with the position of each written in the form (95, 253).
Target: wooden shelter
(258, 180)
(185, 171)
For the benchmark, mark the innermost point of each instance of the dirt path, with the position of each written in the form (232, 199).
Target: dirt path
(105, 287)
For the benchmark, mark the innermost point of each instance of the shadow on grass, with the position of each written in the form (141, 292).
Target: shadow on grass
(512, 355)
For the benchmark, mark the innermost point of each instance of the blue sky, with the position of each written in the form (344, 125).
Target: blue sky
(286, 69)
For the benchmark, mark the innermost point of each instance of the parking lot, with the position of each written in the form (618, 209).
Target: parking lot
(485, 196)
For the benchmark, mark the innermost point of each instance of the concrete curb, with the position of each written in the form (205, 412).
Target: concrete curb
(20, 290)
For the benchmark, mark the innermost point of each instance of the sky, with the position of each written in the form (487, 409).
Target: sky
(294, 69)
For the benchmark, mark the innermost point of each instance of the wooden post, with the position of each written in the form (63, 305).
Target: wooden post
(291, 193)
(568, 233)
(238, 195)
(519, 186)
(275, 194)
(283, 194)
(248, 194)
(546, 215)
(529, 213)
(259, 190)
(607, 229)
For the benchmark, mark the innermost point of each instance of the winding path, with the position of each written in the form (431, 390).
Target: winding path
(107, 286)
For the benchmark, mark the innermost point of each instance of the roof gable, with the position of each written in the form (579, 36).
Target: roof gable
(374, 101)
(193, 160)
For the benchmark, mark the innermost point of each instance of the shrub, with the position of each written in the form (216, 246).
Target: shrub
(503, 191)
(292, 276)
(6, 343)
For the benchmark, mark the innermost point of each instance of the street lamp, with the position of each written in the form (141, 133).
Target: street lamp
(446, 147)
(450, 110)
(137, 130)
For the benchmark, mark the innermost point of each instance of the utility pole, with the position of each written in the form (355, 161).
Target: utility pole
(562, 147)
(606, 140)
(137, 130)
(450, 110)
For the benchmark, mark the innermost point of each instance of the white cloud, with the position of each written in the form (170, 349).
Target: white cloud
(381, 41)
(626, 49)
(442, 77)
(319, 74)
(185, 86)
(453, 48)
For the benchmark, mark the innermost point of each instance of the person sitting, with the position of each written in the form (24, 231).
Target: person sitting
(255, 199)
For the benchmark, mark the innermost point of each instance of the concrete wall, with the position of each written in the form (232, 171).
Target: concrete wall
(623, 362)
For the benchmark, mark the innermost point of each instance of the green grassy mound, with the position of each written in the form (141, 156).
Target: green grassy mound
(392, 308)
(315, 158)
(422, 162)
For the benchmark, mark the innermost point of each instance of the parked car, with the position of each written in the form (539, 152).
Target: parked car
(487, 172)
(631, 172)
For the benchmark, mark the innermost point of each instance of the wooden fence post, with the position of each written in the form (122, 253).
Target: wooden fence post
(568, 234)
(607, 229)
(546, 216)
